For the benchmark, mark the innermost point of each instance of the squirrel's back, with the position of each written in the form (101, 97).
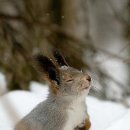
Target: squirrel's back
(46, 116)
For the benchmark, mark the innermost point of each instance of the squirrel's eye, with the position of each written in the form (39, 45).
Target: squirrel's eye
(70, 80)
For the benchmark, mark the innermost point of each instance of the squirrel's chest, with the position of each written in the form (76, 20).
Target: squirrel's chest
(75, 116)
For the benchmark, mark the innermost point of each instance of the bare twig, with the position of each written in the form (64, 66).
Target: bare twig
(53, 28)
(116, 14)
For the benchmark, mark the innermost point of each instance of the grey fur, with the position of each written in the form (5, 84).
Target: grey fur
(48, 115)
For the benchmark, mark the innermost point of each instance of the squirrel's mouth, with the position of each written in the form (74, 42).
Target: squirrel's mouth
(85, 86)
(86, 82)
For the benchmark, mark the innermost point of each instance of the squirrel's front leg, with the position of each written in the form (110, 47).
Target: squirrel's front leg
(84, 126)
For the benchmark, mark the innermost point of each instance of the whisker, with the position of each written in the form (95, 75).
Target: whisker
(97, 92)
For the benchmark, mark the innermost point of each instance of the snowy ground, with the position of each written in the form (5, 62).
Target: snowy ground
(104, 115)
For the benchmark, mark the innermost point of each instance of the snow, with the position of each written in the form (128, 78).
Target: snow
(40, 89)
(104, 115)
(122, 123)
(15, 105)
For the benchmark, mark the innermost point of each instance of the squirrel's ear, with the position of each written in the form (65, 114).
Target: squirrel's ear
(59, 58)
(46, 66)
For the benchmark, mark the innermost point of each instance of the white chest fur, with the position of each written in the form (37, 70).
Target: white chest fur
(76, 115)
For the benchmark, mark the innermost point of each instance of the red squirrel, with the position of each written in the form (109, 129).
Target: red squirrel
(65, 107)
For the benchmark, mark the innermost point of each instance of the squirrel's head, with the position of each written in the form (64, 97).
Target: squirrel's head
(62, 79)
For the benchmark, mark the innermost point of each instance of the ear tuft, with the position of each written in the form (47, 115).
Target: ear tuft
(43, 62)
(45, 65)
(59, 58)
(54, 76)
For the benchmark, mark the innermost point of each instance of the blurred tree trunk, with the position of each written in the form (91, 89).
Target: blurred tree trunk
(72, 17)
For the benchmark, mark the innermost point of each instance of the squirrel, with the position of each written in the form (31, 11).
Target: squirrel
(65, 107)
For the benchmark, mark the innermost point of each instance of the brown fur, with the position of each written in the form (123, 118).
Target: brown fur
(86, 125)
(51, 84)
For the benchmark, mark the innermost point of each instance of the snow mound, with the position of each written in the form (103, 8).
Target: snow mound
(38, 88)
(104, 113)
(15, 105)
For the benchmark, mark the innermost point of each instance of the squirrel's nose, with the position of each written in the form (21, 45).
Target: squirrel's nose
(87, 77)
